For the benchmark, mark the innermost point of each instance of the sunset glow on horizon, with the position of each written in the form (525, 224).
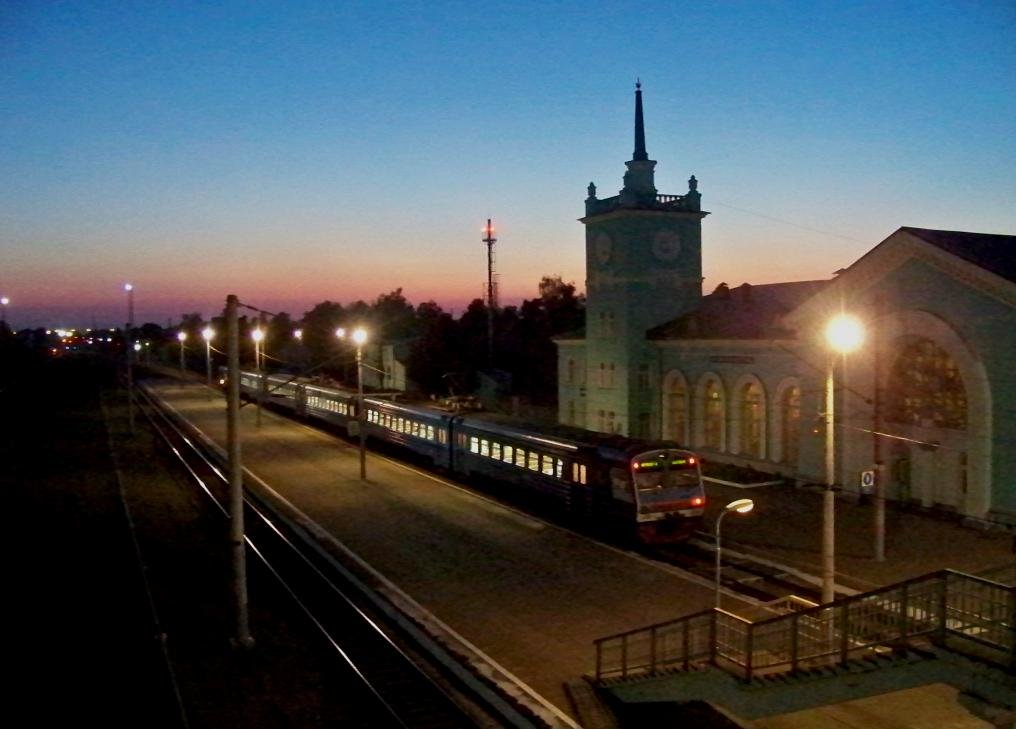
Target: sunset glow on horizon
(288, 155)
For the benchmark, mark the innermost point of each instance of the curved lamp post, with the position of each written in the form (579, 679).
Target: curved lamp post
(360, 338)
(843, 334)
(741, 506)
(258, 335)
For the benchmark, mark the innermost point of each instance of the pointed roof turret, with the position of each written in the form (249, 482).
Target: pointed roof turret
(640, 127)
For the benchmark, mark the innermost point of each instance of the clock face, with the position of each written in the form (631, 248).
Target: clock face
(602, 247)
(666, 245)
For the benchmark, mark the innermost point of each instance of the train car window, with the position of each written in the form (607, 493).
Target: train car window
(474, 444)
(484, 447)
(430, 432)
(495, 451)
(558, 467)
(507, 453)
(547, 467)
(534, 461)
(620, 486)
(520, 458)
(579, 473)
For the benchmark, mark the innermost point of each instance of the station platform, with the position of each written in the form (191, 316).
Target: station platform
(785, 528)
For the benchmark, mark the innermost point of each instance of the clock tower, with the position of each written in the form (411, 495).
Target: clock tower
(643, 268)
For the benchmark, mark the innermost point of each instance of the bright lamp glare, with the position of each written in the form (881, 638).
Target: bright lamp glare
(844, 333)
(298, 333)
(208, 333)
(181, 336)
(340, 333)
(4, 301)
(257, 335)
(741, 506)
(360, 336)
(128, 287)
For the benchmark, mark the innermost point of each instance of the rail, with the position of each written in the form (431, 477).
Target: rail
(965, 613)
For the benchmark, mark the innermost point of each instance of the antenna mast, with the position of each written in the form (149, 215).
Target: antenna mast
(490, 240)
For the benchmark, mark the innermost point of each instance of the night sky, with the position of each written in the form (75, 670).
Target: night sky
(296, 152)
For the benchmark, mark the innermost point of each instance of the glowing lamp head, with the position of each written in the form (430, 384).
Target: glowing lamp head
(4, 301)
(340, 332)
(257, 335)
(844, 333)
(182, 336)
(741, 506)
(298, 333)
(208, 333)
(137, 346)
(128, 287)
(359, 336)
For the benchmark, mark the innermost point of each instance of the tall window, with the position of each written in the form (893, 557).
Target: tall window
(570, 373)
(925, 387)
(790, 424)
(752, 415)
(712, 422)
(676, 410)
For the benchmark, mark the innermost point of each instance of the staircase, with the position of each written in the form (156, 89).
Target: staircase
(945, 626)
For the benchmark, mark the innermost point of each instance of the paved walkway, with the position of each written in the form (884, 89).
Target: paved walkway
(786, 527)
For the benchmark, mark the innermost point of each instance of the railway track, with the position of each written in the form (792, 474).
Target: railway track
(402, 682)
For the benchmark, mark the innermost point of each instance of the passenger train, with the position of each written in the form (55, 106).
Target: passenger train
(649, 491)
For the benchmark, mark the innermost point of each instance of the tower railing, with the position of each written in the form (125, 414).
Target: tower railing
(964, 613)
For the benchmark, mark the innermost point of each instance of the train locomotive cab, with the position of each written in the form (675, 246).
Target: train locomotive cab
(668, 494)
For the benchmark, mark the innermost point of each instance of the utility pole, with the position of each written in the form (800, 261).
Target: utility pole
(490, 240)
(236, 531)
(876, 442)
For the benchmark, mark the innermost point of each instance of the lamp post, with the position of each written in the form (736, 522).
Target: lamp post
(208, 333)
(844, 334)
(127, 336)
(258, 336)
(741, 506)
(359, 338)
(4, 301)
(182, 336)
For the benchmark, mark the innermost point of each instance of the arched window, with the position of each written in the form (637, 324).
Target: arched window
(712, 421)
(925, 387)
(675, 409)
(790, 424)
(752, 417)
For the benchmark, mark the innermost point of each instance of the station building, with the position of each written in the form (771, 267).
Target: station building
(928, 401)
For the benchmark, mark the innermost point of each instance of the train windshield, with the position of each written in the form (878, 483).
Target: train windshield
(666, 476)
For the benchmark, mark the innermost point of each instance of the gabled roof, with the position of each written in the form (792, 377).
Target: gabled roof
(995, 253)
(745, 312)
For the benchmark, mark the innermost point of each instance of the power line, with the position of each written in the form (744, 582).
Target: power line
(787, 222)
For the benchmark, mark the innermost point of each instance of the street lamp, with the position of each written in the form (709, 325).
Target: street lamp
(298, 333)
(741, 506)
(844, 334)
(208, 333)
(128, 335)
(182, 336)
(4, 301)
(258, 336)
(359, 338)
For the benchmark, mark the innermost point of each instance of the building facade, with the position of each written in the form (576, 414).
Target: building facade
(927, 401)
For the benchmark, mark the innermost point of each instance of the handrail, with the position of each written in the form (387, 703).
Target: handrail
(946, 605)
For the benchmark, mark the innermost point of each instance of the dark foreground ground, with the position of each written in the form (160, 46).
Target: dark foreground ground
(82, 640)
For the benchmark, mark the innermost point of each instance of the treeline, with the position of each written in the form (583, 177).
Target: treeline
(443, 355)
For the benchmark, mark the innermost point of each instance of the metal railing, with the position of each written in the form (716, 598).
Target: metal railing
(965, 613)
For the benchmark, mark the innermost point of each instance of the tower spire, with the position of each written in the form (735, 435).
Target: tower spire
(640, 128)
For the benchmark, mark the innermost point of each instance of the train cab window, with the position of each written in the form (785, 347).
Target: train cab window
(474, 444)
(484, 447)
(578, 473)
(507, 453)
(547, 467)
(534, 461)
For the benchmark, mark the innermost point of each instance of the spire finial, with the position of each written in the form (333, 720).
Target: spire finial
(640, 129)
